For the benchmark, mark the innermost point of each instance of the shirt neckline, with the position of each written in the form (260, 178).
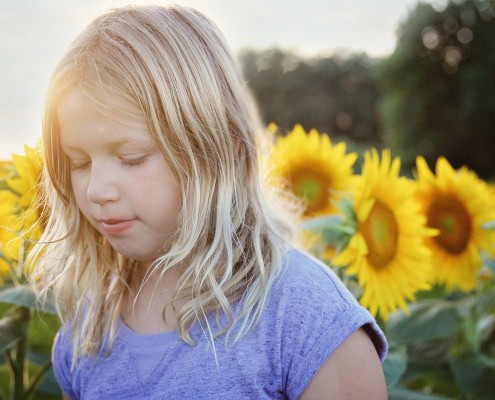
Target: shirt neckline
(141, 339)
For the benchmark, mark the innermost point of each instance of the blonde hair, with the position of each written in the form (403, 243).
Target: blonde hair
(174, 64)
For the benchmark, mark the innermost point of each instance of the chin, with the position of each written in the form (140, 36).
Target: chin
(138, 252)
(134, 255)
(139, 256)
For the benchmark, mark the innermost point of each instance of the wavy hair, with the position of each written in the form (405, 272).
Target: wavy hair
(174, 64)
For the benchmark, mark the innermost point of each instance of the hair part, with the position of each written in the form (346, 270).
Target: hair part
(173, 63)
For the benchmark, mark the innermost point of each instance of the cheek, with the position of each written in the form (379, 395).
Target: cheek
(169, 201)
(79, 191)
(160, 180)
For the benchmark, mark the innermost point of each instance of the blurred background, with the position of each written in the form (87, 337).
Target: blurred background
(433, 95)
(416, 77)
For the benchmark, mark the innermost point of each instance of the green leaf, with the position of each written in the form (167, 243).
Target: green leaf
(42, 330)
(10, 333)
(475, 375)
(429, 320)
(400, 393)
(490, 263)
(394, 366)
(13, 327)
(428, 355)
(486, 326)
(49, 384)
(19, 295)
(347, 208)
(338, 236)
(321, 222)
(22, 295)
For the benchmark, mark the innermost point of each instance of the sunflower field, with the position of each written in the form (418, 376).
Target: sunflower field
(416, 249)
(27, 328)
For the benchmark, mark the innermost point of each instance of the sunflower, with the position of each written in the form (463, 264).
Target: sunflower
(29, 223)
(9, 243)
(312, 168)
(458, 204)
(28, 169)
(388, 251)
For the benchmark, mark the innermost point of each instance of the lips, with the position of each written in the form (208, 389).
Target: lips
(116, 226)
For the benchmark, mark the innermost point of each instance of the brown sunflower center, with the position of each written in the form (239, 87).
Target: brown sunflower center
(380, 231)
(311, 186)
(449, 215)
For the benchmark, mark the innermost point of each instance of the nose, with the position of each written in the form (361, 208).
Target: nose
(102, 186)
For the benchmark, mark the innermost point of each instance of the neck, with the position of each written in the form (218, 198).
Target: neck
(146, 306)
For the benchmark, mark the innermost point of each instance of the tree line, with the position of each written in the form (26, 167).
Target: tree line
(434, 95)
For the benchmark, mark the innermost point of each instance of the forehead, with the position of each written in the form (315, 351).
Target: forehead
(111, 104)
(100, 117)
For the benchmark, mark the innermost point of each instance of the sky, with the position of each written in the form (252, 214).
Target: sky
(34, 35)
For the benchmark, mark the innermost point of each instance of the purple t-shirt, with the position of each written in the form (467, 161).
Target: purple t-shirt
(307, 316)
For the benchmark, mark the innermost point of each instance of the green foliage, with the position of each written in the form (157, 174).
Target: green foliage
(429, 320)
(27, 330)
(336, 95)
(22, 295)
(439, 86)
(335, 229)
(445, 349)
(12, 327)
(475, 374)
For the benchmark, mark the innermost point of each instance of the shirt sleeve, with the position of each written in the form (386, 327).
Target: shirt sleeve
(61, 359)
(319, 315)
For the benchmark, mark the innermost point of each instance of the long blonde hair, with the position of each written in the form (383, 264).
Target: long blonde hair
(174, 64)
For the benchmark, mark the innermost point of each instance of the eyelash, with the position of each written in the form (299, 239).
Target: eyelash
(130, 162)
(133, 161)
(75, 167)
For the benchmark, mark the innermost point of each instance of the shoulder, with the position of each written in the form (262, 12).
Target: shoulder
(308, 287)
(93, 376)
(333, 379)
(314, 314)
(62, 359)
(62, 346)
(301, 274)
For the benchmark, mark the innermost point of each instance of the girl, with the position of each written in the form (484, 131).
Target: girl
(174, 277)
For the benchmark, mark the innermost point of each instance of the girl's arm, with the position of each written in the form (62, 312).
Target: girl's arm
(353, 372)
(65, 397)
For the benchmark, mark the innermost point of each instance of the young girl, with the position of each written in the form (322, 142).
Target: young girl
(172, 272)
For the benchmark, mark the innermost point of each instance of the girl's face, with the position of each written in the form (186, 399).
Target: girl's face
(121, 182)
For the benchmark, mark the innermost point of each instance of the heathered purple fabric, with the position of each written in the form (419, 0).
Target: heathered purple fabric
(308, 314)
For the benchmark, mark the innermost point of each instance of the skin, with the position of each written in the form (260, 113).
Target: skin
(125, 189)
(352, 372)
(121, 182)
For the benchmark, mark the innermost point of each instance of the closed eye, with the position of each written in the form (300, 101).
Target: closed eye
(78, 165)
(134, 161)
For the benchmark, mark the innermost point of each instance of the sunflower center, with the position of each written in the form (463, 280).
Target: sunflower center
(312, 187)
(380, 231)
(450, 217)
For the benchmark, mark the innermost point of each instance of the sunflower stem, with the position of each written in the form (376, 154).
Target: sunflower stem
(36, 380)
(20, 372)
(478, 314)
(474, 316)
